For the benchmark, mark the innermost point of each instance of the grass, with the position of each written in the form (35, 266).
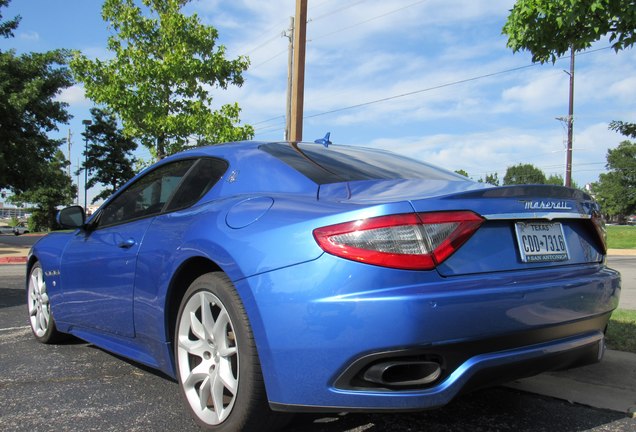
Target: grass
(621, 236)
(621, 331)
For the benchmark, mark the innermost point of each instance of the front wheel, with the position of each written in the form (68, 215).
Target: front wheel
(217, 364)
(40, 318)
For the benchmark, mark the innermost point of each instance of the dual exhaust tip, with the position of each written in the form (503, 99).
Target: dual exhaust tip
(403, 373)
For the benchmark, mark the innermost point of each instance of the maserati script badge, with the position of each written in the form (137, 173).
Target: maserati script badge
(547, 205)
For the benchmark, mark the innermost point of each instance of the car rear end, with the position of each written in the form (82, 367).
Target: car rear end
(431, 288)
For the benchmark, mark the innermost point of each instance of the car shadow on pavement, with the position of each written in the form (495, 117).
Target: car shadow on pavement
(132, 363)
(494, 409)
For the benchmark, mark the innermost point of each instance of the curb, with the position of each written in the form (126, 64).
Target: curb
(13, 260)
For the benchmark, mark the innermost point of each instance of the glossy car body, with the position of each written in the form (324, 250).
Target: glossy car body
(333, 332)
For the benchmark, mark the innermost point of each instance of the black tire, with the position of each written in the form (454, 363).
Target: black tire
(232, 354)
(39, 308)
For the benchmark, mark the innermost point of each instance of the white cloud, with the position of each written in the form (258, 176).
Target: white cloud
(29, 36)
(74, 95)
(490, 152)
(547, 89)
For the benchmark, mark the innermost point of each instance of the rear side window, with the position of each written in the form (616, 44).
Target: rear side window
(336, 164)
(198, 182)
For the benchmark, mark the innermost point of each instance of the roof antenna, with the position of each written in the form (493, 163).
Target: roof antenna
(324, 141)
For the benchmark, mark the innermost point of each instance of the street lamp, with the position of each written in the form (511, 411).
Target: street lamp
(86, 124)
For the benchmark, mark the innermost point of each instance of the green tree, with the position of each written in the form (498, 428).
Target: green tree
(524, 174)
(624, 128)
(56, 190)
(159, 79)
(492, 179)
(29, 84)
(462, 172)
(557, 179)
(616, 189)
(7, 27)
(13, 222)
(549, 28)
(109, 157)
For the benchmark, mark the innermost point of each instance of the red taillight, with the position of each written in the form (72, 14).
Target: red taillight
(414, 241)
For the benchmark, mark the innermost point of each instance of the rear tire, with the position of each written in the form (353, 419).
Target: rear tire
(217, 363)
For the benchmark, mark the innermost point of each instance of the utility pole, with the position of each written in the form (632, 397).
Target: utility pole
(86, 124)
(298, 76)
(69, 153)
(568, 160)
(78, 180)
(290, 61)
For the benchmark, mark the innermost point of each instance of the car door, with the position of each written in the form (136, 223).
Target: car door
(98, 267)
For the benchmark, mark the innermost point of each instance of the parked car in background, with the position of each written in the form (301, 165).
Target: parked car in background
(631, 220)
(20, 228)
(278, 277)
(6, 229)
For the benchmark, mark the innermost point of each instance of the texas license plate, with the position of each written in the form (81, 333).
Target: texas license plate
(541, 241)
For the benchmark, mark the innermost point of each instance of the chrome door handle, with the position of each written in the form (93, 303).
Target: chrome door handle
(127, 244)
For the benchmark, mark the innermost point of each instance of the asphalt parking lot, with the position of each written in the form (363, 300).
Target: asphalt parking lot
(78, 387)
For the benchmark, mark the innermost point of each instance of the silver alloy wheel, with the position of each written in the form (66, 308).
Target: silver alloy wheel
(208, 357)
(38, 300)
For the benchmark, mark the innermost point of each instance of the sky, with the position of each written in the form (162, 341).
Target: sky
(429, 79)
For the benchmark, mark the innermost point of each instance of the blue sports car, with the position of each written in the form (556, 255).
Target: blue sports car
(274, 277)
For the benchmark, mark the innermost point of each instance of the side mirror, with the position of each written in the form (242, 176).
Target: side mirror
(71, 217)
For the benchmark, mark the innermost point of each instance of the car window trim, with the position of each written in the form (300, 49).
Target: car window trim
(95, 221)
(172, 195)
(185, 177)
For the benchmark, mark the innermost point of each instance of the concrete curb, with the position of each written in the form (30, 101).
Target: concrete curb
(623, 252)
(13, 260)
(610, 384)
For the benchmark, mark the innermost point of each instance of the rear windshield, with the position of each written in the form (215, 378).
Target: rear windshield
(336, 164)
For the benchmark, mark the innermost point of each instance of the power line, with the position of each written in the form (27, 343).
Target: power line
(264, 33)
(365, 21)
(463, 81)
(335, 11)
(269, 120)
(269, 59)
(437, 87)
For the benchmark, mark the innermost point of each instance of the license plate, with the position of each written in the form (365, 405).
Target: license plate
(541, 241)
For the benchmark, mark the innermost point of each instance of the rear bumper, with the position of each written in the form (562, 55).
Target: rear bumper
(479, 371)
(318, 324)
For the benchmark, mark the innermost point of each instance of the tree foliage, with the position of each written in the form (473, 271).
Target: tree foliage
(492, 179)
(109, 157)
(557, 179)
(7, 27)
(56, 189)
(616, 189)
(549, 28)
(524, 174)
(29, 84)
(160, 78)
(462, 172)
(624, 128)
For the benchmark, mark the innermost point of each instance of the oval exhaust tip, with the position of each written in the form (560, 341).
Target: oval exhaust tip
(403, 373)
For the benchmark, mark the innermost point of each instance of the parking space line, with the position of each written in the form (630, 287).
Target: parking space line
(13, 328)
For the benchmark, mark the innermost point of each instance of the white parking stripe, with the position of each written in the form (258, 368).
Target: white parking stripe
(14, 328)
